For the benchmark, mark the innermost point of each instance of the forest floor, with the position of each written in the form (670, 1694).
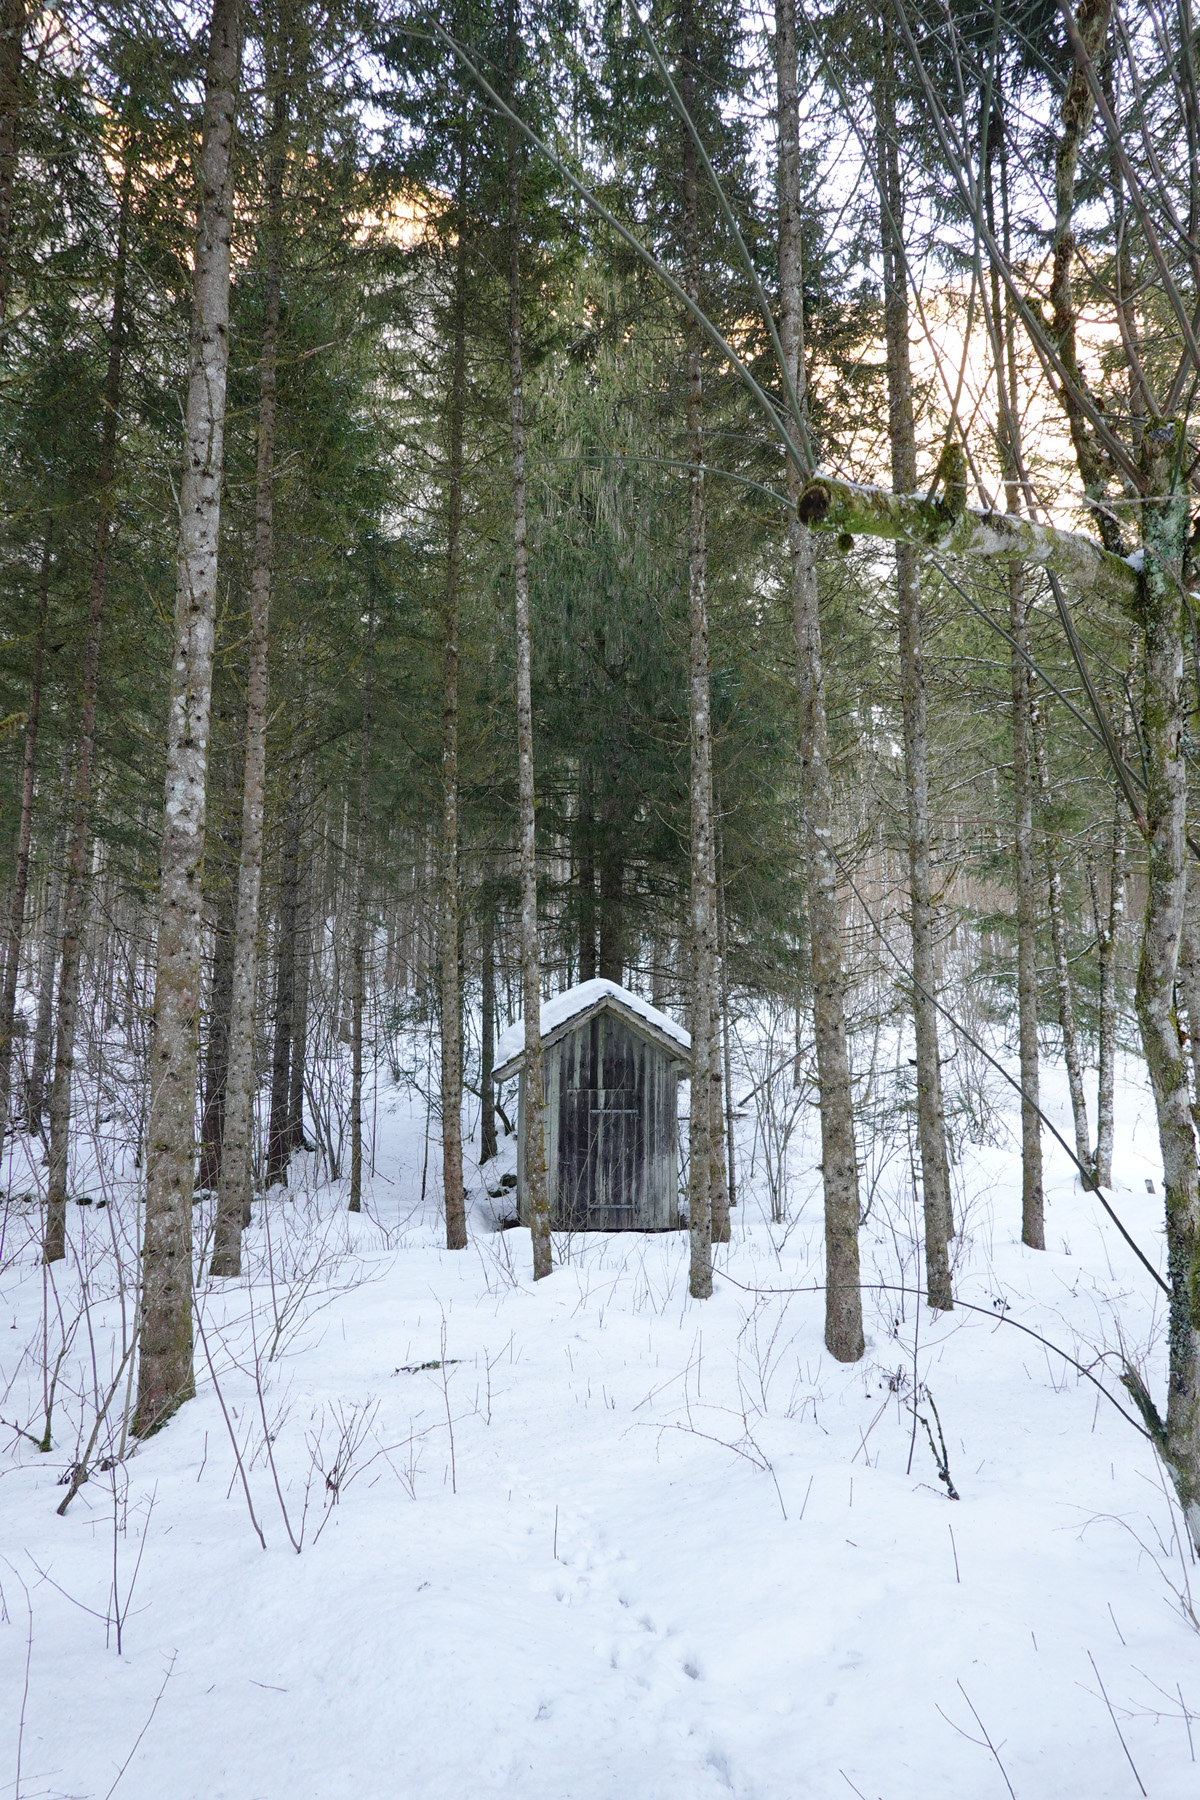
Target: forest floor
(591, 1540)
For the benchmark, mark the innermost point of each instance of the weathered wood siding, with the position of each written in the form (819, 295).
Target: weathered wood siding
(611, 1100)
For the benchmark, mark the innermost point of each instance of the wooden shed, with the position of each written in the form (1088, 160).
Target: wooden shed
(610, 1075)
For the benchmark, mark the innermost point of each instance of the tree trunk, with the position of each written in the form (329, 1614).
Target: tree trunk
(1076, 113)
(234, 1194)
(487, 1026)
(587, 875)
(303, 978)
(718, 1171)
(536, 1199)
(278, 1134)
(931, 1124)
(20, 887)
(12, 35)
(1109, 938)
(1164, 527)
(43, 1033)
(1062, 970)
(165, 1375)
(700, 1136)
(216, 1049)
(77, 858)
(612, 880)
(358, 982)
(1033, 1229)
(454, 1194)
(843, 1300)
(723, 948)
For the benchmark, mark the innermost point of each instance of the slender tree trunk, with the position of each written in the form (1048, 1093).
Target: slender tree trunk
(1076, 112)
(234, 1193)
(303, 977)
(1032, 1193)
(165, 1374)
(216, 1050)
(723, 947)
(358, 972)
(718, 1171)
(1165, 515)
(278, 1134)
(1062, 970)
(487, 1028)
(700, 1137)
(77, 858)
(536, 1198)
(587, 874)
(931, 1123)
(843, 1300)
(454, 1194)
(1033, 1229)
(43, 1033)
(12, 35)
(1109, 939)
(20, 887)
(612, 879)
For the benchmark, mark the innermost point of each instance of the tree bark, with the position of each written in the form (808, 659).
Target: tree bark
(234, 1192)
(700, 1135)
(487, 1028)
(1164, 526)
(165, 1374)
(43, 1033)
(718, 1169)
(1033, 1228)
(843, 1300)
(1007, 411)
(726, 1050)
(612, 878)
(536, 1198)
(12, 36)
(278, 1134)
(453, 1191)
(216, 1049)
(931, 1124)
(587, 874)
(1062, 969)
(358, 984)
(1109, 939)
(303, 979)
(77, 858)
(1076, 113)
(20, 887)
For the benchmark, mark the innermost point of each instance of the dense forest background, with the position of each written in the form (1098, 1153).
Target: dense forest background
(503, 496)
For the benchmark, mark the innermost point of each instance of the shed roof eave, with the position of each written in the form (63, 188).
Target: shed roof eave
(676, 1042)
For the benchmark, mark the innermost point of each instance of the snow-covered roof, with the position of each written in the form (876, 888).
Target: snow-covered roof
(574, 1004)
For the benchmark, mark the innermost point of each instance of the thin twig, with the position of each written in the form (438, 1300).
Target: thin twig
(145, 1728)
(1112, 1715)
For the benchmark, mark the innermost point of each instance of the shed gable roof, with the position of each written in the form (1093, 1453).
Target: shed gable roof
(567, 1011)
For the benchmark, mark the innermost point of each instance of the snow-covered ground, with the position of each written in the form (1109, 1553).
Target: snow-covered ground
(591, 1540)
